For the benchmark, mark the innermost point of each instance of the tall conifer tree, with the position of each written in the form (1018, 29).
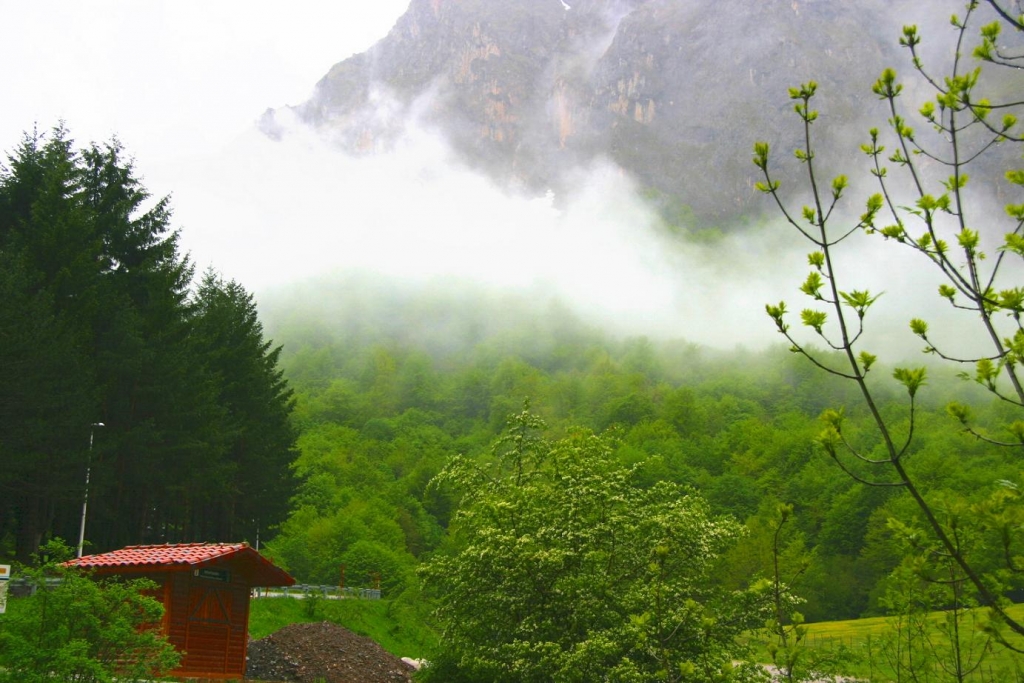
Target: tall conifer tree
(98, 324)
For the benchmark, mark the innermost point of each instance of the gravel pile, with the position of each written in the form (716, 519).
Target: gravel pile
(306, 653)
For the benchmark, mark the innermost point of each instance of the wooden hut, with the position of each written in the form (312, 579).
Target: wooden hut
(205, 590)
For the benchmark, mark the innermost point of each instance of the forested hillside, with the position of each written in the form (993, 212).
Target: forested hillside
(196, 442)
(381, 408)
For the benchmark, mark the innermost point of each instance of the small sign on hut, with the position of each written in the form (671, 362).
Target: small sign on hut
(5, 577)
(205, 590)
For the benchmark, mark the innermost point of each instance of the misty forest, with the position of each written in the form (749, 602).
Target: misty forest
(827, 423)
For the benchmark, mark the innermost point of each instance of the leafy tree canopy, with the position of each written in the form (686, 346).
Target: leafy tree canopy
(561, 567)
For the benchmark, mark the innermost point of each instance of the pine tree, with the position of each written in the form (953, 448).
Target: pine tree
(98, 325)
(47, 386)
(258, 437)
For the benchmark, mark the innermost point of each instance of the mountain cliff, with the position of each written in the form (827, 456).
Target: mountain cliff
(672, 91)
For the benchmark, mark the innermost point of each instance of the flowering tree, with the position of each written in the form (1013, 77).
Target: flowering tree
(562, 568)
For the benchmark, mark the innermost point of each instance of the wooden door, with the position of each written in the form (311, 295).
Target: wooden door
(209, 646)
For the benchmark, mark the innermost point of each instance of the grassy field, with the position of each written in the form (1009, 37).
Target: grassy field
(864, 638)
(397, 626)
(400, 629)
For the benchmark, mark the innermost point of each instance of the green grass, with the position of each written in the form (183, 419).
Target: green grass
(863, 637)
(398, 626)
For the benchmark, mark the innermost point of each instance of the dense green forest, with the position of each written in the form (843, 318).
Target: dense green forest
(380, 414)
(118, 368)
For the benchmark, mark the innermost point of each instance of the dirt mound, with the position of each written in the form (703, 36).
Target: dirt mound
(326, 652)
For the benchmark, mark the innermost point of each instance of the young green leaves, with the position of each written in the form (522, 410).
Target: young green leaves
(804, 94)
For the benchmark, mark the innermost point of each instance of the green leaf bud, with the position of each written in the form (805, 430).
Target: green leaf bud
(895, 232)
(912, 378)
(968, 239)
(839, 183)
(761, 155)
(910, 37)
(813, 284)
(867, 360)
(813, 319)
(859, 300)
(959, 412)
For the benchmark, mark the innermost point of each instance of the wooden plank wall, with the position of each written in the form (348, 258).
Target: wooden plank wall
(208, 621)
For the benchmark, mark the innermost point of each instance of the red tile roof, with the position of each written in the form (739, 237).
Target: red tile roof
(183, 556)
(147, 555)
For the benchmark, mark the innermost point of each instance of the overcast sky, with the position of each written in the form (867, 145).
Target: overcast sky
(171, 76)
(181, 82)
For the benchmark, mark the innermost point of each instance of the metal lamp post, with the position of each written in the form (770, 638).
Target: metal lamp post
(85, 498)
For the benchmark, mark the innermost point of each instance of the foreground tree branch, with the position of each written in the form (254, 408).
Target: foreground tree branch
(952, 232)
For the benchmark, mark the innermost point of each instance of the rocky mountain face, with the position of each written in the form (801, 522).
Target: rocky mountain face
(672, 91)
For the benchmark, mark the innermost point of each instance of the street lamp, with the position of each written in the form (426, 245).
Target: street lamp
(85, 499)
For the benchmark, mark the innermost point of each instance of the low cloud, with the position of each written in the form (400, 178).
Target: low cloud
(279, 213)
(276, 213)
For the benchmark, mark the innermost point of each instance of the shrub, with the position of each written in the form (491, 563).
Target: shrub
(82, 630)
